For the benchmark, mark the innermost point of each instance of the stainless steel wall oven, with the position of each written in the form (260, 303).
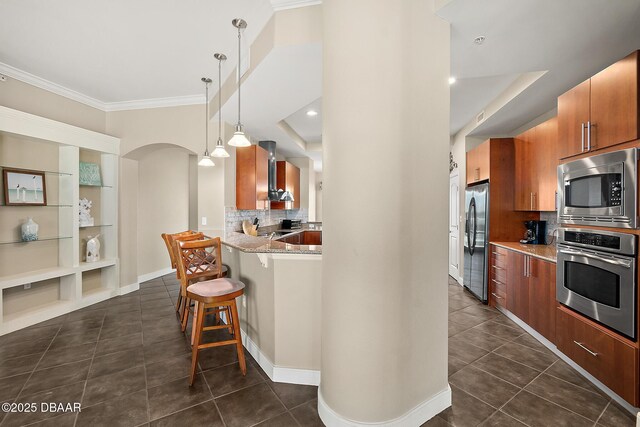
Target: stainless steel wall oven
(596, 276)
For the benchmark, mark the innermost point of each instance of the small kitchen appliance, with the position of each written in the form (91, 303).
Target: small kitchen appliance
(536, 232)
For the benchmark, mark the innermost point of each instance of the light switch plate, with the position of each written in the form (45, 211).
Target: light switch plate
(204, 220)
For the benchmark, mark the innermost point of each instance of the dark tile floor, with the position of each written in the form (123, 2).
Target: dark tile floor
(501, 376)
(127, 362)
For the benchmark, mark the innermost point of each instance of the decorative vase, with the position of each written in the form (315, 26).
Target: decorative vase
(93, 249)
(30, 230)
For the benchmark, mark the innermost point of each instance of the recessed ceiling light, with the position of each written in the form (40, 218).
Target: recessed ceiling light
(312, 113)
(479, 40)
(452, 80)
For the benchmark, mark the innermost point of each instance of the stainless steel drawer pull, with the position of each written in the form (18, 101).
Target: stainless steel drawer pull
(497, 268)
(586, 349)
(494, 294)
(497, 253)
(499, 283)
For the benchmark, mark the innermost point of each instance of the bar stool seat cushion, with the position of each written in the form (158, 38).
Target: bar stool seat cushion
(216, 287)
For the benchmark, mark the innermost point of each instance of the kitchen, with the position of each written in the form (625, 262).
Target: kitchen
(363, 315)
(574, 287)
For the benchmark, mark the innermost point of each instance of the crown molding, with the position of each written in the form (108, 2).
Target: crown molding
(141, 104)
(292, 4)
(49, 86)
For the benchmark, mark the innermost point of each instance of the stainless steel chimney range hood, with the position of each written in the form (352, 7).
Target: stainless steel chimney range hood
(273, 194)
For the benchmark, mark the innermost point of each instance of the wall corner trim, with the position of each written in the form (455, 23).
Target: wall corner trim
(280, 374)
(415, 417)
(123, 290)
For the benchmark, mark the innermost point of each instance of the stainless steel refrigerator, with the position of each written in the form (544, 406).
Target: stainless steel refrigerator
(476, 244)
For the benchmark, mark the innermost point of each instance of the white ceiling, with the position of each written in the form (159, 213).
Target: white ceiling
(572, 39)
(122, 50)
(308, 127)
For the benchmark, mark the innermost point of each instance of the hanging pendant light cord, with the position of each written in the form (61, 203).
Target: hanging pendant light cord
(239, 76)
(206, 132)
(219, 99)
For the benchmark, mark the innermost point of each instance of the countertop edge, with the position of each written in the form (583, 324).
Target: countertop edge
(513, 246)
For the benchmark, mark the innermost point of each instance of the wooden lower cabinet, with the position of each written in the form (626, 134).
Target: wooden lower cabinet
(601, 353)
(542, 297)
(517, 286)
(312, 238)
(498, 277)
(525, 286)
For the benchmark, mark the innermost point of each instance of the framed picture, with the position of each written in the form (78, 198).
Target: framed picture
(90, 174)
(24, 187)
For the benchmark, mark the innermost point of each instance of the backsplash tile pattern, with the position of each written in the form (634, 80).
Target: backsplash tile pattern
(233, 217)
(552, 223)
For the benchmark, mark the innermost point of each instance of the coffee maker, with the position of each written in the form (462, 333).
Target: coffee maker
(536, 232)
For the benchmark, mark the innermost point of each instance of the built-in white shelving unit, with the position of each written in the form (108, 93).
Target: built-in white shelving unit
(43, 279)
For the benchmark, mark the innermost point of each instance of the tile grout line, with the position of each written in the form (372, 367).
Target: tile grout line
(84, 389)
(602, 413)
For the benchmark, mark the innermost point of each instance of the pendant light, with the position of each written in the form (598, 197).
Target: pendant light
(219, 150)
(239, 139)
(206, 159)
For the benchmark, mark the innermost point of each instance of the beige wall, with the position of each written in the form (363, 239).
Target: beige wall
(280, 310)
(25, 97)
(390, 263)
(128, 206)
(163, 200)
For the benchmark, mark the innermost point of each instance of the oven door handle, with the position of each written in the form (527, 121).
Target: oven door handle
(619, 262)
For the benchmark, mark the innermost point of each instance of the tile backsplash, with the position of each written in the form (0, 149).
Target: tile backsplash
(552, 223)
(233, 217)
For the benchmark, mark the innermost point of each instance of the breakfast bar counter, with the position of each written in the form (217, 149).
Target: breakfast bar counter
(280, 311)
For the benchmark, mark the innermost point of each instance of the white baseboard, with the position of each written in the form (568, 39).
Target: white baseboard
(415, 417)
(280, 374)
(569, 362)
(155, 274)
(461, 281)
(123, 290)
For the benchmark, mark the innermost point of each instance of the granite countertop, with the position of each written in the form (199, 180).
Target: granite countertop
(257, 244)
(545, 252)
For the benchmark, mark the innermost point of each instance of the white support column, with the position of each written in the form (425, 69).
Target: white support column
(384, 276)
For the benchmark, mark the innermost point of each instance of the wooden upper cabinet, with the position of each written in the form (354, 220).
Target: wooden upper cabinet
(526, 183)
(614, 104)
(251, 177)
(478, 163)
(287, 178)
(535, 168)
(573, 116)
(547, 165)
(600, 112)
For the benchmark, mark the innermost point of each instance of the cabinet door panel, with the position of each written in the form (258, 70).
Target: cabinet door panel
(614, 104)
(542, 301)
(478, 163)
(546, 143)
(573, 112)
(525, 180)
(515, 277)
(600, 352)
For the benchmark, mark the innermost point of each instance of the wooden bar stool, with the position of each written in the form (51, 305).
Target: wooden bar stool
(198, 257)
(170, 241)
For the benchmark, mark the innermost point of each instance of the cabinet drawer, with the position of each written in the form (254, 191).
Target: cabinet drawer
(499, 273)
(604, 355)
(498, 294)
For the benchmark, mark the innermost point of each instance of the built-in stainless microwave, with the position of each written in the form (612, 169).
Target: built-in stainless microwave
(599, 190)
